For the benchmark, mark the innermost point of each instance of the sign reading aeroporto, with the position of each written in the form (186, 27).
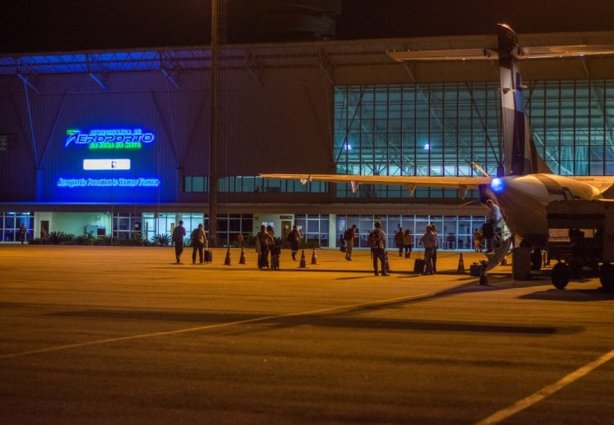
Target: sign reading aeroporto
(99, 139)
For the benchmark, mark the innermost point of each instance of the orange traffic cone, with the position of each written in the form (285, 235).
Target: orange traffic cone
(227, 259)
(242, 258)
(303, 263)
(461, 265)
(314, 257)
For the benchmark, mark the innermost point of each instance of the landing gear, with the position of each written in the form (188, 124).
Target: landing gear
(606, 276)
(560, 275)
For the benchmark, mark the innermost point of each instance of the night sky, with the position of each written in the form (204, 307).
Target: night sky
(61, 25)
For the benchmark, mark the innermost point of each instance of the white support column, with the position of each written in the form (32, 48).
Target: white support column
(332, 230)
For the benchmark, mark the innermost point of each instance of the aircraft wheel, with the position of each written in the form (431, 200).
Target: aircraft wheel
(560, 275)
(606, 276)
(536, 259)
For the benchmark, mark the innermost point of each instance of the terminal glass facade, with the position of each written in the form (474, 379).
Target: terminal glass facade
(454, 232)
(314, 228)
(438, 129)
(11, 222)
(229, 225)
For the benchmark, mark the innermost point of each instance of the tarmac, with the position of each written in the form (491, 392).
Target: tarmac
(123, 335)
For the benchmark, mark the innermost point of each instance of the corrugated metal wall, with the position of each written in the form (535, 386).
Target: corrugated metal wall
(281, 122)
(17, 163)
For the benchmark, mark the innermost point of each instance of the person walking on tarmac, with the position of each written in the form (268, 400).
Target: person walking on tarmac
(271, 232)
(434, 230)
(349, 236)
(408, 242)
(264, 241)
(178, 235)
(429, 242)
(398, 240)
(294, 237)
(377, 242)
(198, 238)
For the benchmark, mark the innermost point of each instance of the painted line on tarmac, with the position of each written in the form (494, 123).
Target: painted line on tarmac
(330, 310)
(545, 392)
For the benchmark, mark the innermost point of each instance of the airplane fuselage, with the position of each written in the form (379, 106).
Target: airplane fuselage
(523, 201)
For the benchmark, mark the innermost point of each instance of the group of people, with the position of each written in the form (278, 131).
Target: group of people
(404, 240)
(265, 243)
(198, 240)
(430, 243)
(269, 248)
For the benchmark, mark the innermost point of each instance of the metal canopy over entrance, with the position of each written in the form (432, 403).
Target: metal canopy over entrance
(344, 62)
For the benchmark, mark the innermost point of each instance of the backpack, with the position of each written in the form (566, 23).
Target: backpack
(347, 235)
(194, 235)
(177, 234)
(293, 236)
(373, 240)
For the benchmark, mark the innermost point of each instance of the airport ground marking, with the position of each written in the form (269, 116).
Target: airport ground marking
(547, 391)
(330, 310)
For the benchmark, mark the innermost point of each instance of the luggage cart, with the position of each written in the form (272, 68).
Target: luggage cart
(581, 239)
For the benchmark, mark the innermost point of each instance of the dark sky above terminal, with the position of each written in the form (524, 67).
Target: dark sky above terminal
(61, 25)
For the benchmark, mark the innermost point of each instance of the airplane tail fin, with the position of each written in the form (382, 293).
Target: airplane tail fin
(536, 163)
(521, 156)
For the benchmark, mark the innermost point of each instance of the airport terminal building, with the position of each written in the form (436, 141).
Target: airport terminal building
(116, 143)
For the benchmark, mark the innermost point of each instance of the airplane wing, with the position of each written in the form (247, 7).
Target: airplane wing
(603, 183)
(411, 182)
(491, 54)
(507, 45)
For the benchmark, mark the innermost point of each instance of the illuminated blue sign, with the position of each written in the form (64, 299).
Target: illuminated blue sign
(122, 162)
(109, 139)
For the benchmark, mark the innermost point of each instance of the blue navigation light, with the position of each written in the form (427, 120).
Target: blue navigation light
(497, 185)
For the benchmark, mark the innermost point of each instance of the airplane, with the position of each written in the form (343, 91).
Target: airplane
(524, 185)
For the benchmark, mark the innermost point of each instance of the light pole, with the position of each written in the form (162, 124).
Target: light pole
(214, 88)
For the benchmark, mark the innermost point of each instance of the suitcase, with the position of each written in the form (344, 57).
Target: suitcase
(419, 266)
(475, 270)
(275, 254)
(386, 262)
(275, 261)
(208, 256)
